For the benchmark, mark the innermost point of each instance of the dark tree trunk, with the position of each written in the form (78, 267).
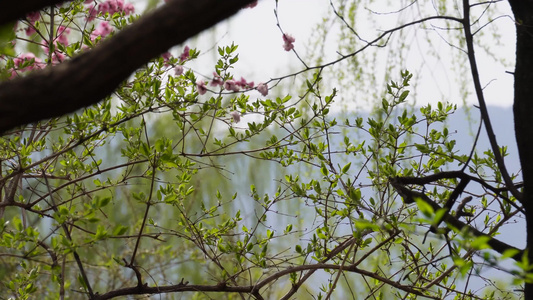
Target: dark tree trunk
(523, 111)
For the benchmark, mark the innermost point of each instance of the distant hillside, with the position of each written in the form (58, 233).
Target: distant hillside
(466, 125)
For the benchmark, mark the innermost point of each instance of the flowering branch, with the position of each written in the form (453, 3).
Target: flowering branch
(93, 75)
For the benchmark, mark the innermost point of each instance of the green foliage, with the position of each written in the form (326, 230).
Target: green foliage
(160, 186)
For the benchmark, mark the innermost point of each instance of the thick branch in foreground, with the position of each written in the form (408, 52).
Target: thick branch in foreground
(93, 75)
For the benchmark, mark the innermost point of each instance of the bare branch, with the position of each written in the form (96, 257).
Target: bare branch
(409, 197)
(482, 104)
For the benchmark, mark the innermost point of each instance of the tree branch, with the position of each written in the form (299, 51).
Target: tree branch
(181, 287)
(482, 104)
(95, 74)
(409, 196)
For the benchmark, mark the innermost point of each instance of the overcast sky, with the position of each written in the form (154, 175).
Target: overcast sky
(262, 56)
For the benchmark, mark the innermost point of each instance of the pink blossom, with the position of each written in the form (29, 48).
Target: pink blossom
(103, 30)
(24, 57)
(244, 84)
(115, 6)
(166, 56)
(236, 116)
(58, 57)
(120, 4)
(30, 30)
(185, 55)
(200, 85)
(129, 9)
(217, 80)
(88, 1)
(33, 16)
(251, 5)
(93, 12)
(262, 88)
(103, 7)
(178, 70)
(288, 42)
(19, 61)
(44, 45)
(62, 33)
(231, 85)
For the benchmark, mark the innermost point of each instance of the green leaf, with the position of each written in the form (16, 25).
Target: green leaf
(7, 34)
(422, 148)
(346, 168)
(509, 253)
(355, 195)
(82, 282)
(439, 215)
(424, 207)
(288, 228)
(403, 96)
(324, 170)
(104, 201)
(481, 242)
(365, 224)
(120, 230)
(17, 222)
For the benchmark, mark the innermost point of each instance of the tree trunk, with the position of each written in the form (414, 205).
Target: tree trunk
(523, 111)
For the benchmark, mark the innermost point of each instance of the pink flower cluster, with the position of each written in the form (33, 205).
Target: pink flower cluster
(231, 85)
(236, 85)
(57, 56)
(62, 33)
(19, 61)
(200, 86)
(178, 70)
(183, 57)
(185, 54)
(61, 38)
(32, 18)
(288, 42)
(102, 30)
(109, 6)
(262, 88)
(217, 80)
(236, 116)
